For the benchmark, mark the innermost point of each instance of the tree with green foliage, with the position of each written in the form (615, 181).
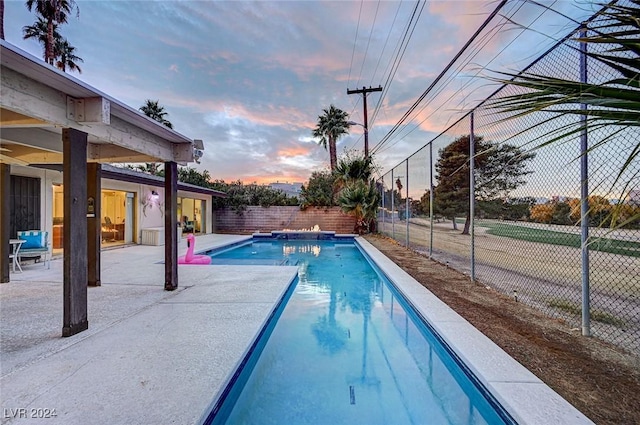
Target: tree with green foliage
(611, 104)
(499, 169)
(424, 204)
(319, 190)
(515, 209)
(240, 195)
(331, 125)
(53, 13)
(193, 176)
(38, 31)
(155, 111)
(358, 194)
(352, 167)
(66, 57)
(64, 53)
(360, 199)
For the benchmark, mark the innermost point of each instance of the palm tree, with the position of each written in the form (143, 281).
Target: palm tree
(64, 53)
(153, 110)
(351, 168)
(53, 12)
(331, 125)
(66, 57)
(360, 199)
(614, 103)
(38, 30)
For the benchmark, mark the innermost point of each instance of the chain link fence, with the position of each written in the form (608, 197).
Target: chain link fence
(523, 233)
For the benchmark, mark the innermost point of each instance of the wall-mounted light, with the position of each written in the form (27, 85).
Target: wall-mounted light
(152, 198)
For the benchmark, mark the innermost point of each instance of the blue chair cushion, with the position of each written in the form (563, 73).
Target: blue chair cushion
(32, 239)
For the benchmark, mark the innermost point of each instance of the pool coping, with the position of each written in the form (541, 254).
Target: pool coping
(522, 394)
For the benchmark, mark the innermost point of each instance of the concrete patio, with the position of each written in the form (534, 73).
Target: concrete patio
(149, 356)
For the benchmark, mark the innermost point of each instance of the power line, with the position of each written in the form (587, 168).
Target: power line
(399, 51)
(526, 69)
(366, 51)
(355, 42)
(399, 55)
(444, 71)
(476, 50)
(393, 23)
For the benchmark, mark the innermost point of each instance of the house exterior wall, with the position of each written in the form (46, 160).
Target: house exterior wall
(261, 219)
(154, 216)
(47, 179)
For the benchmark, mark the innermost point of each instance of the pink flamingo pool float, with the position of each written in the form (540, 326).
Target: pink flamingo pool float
(190, 258)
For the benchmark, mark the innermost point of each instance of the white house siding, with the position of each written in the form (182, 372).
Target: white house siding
(154, 217)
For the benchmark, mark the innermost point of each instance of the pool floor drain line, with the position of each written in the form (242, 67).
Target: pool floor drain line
(352, 394)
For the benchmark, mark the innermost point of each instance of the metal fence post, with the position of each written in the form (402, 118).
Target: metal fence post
(472, 197)
(431, 198)
(406, 208)
(393, 195)
(384, 212)
(584, 197)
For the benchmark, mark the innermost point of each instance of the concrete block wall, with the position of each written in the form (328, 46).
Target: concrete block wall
(260, 219)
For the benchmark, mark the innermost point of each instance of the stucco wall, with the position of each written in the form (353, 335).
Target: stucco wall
(259, 219)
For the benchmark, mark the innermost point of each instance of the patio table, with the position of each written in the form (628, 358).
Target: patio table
(15, 253)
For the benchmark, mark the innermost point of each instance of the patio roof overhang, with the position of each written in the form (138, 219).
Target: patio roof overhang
(37, 101)
(50, 117)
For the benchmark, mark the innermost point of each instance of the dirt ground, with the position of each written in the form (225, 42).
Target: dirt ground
(599, 379)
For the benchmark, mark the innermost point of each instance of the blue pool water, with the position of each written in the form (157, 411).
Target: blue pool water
(346, 349)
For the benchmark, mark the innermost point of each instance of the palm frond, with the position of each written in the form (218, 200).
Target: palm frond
(614, 40)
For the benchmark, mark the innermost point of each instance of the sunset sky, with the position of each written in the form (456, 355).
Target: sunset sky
(251, 78)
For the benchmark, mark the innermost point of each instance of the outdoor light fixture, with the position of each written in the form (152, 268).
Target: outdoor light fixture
(198, 150)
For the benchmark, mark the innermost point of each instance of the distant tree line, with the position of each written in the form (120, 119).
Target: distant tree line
(241, 195)
(601, 213)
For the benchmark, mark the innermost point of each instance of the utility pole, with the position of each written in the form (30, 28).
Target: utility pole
(364, 92)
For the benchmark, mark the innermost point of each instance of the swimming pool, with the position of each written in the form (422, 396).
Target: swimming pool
(346, 348)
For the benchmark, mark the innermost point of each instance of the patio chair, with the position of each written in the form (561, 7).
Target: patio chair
(36, 245)
(109, 231)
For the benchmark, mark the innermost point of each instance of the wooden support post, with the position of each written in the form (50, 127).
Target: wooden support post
(170, 226)
(94, 221)
(364, 92)
(5, 222)
(74, 151)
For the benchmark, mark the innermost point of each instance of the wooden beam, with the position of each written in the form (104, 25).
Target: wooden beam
(170, 226)
(36, 100)
(94, 222)
(28, 155)
(12, 119)
(5, 211)
(42, 138)
(96, 110)
(75, 275)
(103, 152)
